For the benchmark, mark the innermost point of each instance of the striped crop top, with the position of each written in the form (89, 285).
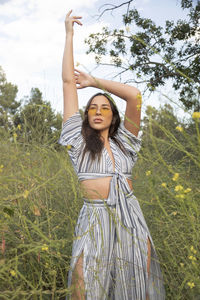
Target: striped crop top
(89, 169)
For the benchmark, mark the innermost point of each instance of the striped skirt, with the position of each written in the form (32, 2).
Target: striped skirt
(114, 256)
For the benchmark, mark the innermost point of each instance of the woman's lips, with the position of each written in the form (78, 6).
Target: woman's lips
(98, 120)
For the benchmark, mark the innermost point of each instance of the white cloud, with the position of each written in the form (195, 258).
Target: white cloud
(33, 34)
(45, 9)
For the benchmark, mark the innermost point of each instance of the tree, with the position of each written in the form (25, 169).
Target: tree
(172, 140)
(8, 104)
(155, 54)
(34, 121)
(160, 119)
(37, 121)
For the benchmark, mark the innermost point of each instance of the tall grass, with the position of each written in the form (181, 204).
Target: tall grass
(39, 206)
(167, 184)
(41, 199)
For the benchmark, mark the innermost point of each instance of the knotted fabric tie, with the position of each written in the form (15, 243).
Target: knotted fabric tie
(118, 195)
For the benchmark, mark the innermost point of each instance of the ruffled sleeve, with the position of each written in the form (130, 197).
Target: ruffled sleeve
(130, 142)
(71, 134)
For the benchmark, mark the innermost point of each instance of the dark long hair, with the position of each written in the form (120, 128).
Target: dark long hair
(93, 142)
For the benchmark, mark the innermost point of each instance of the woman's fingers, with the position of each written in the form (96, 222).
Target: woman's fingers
(69, 13)
(76, 17)
(72, 17)
(77, 21)
(70, 20)
(77, 70)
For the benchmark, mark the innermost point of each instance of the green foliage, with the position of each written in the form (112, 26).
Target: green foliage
(39, 205)
(164, 116)
(37, 121)
(40, 202)
(155, 54)
(8, 104)
(167, 184)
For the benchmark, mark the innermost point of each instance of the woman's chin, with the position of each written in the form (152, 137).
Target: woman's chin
(97, 125)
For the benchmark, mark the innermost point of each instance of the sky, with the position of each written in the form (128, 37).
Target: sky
(32, 37)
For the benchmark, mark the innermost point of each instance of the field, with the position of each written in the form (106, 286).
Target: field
(41, 199)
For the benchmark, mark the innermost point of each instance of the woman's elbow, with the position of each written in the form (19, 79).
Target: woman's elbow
(135, 94)
(68, 80)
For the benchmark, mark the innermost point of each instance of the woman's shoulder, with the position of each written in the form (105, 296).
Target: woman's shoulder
(71, 130)
(75, 118)
(128, 139)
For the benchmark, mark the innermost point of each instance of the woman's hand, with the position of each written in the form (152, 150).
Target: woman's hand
(69, 22)
(83, 80)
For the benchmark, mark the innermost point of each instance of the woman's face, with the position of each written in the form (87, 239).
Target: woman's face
(100, 113)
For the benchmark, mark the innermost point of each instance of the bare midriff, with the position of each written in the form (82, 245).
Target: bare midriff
(98, 188)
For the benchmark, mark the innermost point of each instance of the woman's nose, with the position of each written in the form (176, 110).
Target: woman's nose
(98, 110)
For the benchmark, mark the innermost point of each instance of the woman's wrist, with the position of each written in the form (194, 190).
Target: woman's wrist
(69, 34)
(93, 82)
(96, 83)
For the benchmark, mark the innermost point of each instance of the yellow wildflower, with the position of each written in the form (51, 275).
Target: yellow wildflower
(13, 273)
(193, 258)
(19, 126)
(45, 247)
(193, 250)
(69, 147)
(139, 97)
(148, 173)
(191, 284)
(196, 115)
(187, 190)
(178, 188)
(36, 211)
(1, 168)
(28, 154)
(181, 196)
(163, 184)
(25, 195)
(182, 265)
(175, 177)
(179, 128)
(174, 213)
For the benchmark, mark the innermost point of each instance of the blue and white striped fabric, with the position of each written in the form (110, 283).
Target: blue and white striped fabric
(112, 233)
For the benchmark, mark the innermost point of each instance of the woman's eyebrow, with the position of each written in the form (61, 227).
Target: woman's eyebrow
(101, 104)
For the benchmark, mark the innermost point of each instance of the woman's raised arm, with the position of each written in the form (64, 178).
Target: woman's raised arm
(70, 105)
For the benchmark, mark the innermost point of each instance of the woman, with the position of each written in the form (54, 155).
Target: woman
(113, 255)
